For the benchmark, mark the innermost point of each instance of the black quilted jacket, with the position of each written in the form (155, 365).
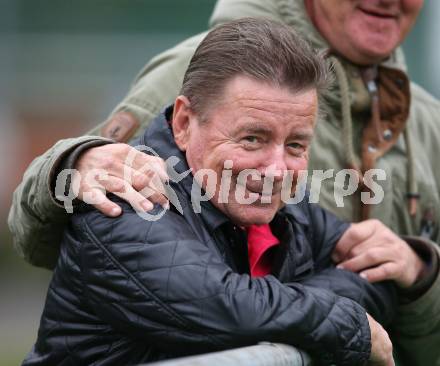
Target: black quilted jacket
(127, 291)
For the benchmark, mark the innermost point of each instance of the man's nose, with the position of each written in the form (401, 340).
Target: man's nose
(276, 164)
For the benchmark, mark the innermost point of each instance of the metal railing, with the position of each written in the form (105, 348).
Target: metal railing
(263, 354)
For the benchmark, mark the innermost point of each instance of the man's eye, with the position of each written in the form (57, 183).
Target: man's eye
(251, 139)
(252, 142)
(296, 147)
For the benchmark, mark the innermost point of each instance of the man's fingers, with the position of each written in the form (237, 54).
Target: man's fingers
(344, 245)
(388, 362)
(160, 169)
(113, 184)
(143, 163)
(116, 168)
(141, 201)
(150, 185)
(386, 271)
(371, 258)
(374, 267)
(385, 260)
(122, 176)
(381, 347)
(135, 199)
(355, 234)
(96, 197)
(155, 196)
(365, 247)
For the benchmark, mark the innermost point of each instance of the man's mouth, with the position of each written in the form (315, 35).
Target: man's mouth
(263, 193)
(379, 13)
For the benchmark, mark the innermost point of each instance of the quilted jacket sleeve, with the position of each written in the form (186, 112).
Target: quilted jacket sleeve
(158, 282)
(379, 299)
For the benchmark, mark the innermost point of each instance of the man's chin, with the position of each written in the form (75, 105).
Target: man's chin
(376, 46)
(259, 215)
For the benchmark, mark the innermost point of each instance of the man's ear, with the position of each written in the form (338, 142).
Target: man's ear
(182, 115)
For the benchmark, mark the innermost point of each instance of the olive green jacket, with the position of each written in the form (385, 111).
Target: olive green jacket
(37, 220)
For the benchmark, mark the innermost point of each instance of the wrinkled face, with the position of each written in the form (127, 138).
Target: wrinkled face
(364, 31)
(254, 126)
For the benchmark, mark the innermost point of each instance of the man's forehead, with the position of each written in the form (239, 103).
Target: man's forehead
(294, 104)
(260, 95)
(300, 104)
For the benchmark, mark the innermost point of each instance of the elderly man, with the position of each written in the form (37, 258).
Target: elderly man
(127, 290)
(376, 118)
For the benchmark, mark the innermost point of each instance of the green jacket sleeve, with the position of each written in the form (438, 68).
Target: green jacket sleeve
(416, 329)
(36, 219)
